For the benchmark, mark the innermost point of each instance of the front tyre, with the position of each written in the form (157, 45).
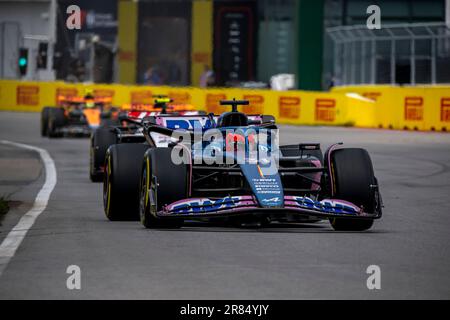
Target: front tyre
(121, 183)
(353, 180)
(101, 140)
(162, 182)
(56, 120)
(44, 121)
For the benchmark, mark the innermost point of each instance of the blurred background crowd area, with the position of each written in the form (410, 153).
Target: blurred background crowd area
(278, 44)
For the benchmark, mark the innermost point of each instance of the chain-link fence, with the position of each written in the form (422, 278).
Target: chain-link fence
(395, 54)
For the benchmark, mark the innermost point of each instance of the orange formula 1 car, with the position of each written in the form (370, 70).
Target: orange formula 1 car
(77, 116)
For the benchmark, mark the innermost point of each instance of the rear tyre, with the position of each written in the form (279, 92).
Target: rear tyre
(353, 180)
(56, 120)
(121, 183)
(44, 121)
(101, 140)
(162, 182)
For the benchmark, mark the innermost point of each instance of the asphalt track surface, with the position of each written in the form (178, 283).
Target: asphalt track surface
(123, 260)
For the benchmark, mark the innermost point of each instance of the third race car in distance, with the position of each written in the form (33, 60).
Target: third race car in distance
(130, 130)
(77, 115)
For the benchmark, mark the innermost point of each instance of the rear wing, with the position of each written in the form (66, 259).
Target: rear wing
(82, 99)
(140, 115)
(190, 121)
(151, 107)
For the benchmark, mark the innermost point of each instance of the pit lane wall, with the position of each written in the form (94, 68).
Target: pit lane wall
(419, 108)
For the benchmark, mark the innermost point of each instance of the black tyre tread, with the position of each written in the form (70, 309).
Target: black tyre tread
(102, 139)
(353, 176)
(56, 119)
(126, 162)
(172, 182)
(44, 121)
(172, 178)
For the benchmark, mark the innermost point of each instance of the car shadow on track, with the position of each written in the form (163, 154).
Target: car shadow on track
(271, 228)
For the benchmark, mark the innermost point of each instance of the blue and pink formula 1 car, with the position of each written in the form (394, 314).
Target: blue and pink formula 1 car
(231, 167)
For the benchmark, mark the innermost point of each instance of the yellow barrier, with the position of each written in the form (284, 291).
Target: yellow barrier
(294, 107)
(413, 108)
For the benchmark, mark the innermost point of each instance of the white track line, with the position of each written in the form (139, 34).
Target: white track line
(17, 234)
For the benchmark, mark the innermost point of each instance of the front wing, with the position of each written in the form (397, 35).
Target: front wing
(234, 205)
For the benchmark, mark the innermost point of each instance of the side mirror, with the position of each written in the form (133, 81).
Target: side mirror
(268, 118)
(149, 120)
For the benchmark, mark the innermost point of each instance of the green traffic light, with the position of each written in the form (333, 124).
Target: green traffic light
(22, 62)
